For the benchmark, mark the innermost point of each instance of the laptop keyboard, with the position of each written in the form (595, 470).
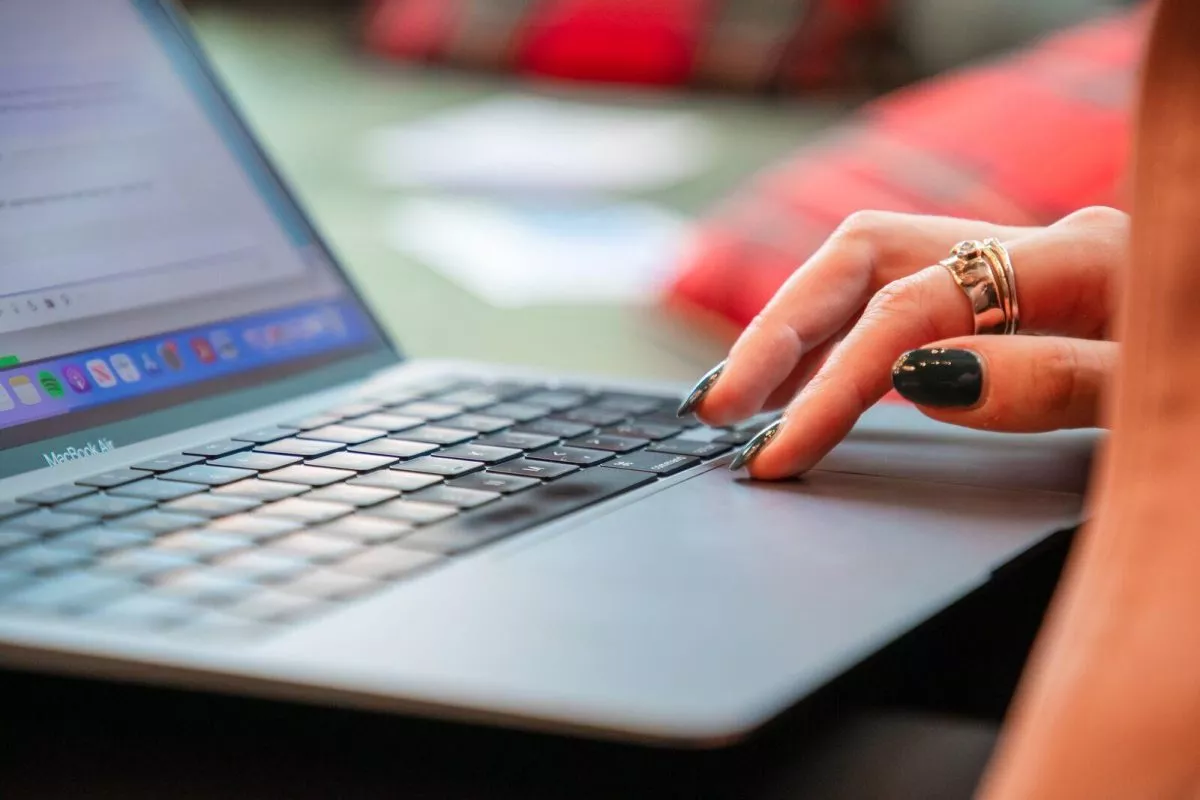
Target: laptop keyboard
(244, 535)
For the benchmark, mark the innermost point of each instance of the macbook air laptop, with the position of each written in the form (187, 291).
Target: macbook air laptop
(217, 473)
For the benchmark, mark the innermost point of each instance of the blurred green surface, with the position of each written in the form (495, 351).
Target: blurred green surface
(312, 97)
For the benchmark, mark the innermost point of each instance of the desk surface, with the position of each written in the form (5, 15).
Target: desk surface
(313, 98)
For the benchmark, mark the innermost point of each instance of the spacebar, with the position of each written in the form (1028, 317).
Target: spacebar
(519, 512)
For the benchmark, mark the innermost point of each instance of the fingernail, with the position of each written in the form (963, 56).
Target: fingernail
(700, 390)
(939, 377)
(755, 445)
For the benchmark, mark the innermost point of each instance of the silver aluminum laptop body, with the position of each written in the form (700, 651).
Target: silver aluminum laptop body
(689, 611)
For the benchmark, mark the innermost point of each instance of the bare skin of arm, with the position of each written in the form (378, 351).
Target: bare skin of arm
(1110, 707)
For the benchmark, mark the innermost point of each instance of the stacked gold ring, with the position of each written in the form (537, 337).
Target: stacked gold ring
(983, 270)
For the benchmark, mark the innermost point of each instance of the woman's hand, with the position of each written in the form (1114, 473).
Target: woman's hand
(825, 347)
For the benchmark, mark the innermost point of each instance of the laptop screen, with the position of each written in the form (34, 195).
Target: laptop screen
(148, 255)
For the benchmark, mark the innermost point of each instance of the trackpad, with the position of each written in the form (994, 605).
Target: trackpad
(721, 596)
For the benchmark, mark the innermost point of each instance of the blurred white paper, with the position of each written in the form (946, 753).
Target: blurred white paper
(531, 144)
(513, 255)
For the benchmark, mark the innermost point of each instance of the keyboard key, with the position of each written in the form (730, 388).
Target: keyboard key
(167, 463)
(10, 538)
(396, 480)
(354, 462)
(354, 410)
(686, 447)
(262, 565)
(257, 462)
(633, 404)
(505, 390)
(254, 527)
(315, 421)
(523, 511)
(305, 448)
(524, 468)
(357, 496)
(162, 521)
(480, 423)
(203, 584)
(102, 505)
(261, 490)
(669, 418)
(314, 546)
(8, 509)
(595, 416)
(389, 423)
(394, 448)
(112, 478)
(12, 581)
(520, 412)
(345, 434)
(469, 398)
(446, 467)
(326, 584)
(517, 441)
(426, 410)
(154, 489)
(305, 510)
(455, 496)
(412, 511)
(147, 610)
(570, 455)
(142, 563)
(209, 476)
(435, 434)
(484, 454)
(211, 505)
(100, 539)
(271, 433)
(274, 606)
(657, 463)
(736, 438)
(53, 495)
(309, 476)
(555, 400)
(366, 530)
(198, 544)
(395, 396)
(217, 449)
(614, 444)
(71, 593)
(558, 428)
(644, 430)
(386, 563)
(491, 482)
(41, 558)
(47, 521)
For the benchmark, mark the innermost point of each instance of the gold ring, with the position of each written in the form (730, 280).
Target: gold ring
(984, 272)
(998, 254)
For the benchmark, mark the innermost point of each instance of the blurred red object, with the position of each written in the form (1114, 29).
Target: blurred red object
(1024, 140)
(649, 42)
(614, 41)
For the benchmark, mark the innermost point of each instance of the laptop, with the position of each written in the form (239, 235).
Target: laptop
(217, 473)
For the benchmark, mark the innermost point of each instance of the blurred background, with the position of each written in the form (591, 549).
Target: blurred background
(617, 186)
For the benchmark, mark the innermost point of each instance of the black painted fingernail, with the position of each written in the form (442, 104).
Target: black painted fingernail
(939, 377)
(756, 445)
(700, 390)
